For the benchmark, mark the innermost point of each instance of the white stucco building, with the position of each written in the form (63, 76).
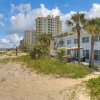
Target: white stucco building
(70, 40)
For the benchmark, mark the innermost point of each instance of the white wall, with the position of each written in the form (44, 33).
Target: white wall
(85, 46)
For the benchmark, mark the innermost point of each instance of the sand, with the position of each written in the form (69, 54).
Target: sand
(20, 83)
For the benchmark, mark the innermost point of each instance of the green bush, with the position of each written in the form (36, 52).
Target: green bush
(52, 66)
(2, 52)
(95, 67)
(38, 51)
(41, 49)
(24, 48)
(60, 54)
(94, 88)
(35, 51)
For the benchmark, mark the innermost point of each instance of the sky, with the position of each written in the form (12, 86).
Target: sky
(19, 15)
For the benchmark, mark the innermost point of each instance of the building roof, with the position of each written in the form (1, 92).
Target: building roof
(63, 48)
(47, 17)
(74, 48)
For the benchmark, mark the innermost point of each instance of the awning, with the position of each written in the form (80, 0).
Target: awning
(63, 48)
(74, 48)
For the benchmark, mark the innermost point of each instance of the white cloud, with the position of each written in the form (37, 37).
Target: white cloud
(21, 8)
(25, 17)
(1, 19)
(94, 11)
(10, 41)
(3, 41)
(65, 17)
(1, 16)
(13, 7)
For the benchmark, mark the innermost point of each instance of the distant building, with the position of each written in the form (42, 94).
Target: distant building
(21, 42)
(49, 24)
(29, 37)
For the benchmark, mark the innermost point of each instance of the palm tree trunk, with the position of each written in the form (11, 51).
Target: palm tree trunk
(91, 62)
(78, 33)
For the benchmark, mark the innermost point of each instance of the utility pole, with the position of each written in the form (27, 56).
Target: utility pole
(16, 51)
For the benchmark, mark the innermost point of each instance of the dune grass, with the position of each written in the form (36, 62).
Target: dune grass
(94, 88)
(55, 67)
(2, 52)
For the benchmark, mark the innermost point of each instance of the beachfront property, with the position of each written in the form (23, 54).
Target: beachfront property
(51, 25)
(29, 37)
(69, 41)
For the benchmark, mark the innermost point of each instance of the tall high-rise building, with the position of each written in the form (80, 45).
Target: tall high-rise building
(49, 24)
(29, 37)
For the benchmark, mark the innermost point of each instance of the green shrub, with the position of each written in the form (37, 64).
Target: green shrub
(35, 51)
(53, 66)
(2, 52)
(24, 48)
(38, 51)
(41, 49)
(95, 67)
(94, 88)
(60, 54)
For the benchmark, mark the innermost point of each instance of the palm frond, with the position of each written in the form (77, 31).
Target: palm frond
(92, 26)
(74, 30)
(78, 17)
(69, 23)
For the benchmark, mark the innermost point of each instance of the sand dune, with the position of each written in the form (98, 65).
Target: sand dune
(19, 83)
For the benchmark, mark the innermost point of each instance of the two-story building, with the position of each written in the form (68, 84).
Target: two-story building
(70, 40)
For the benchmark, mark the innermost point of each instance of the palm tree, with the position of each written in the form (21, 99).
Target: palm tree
(92, 26)
(76, 22)
(41, 49)
(44, 38)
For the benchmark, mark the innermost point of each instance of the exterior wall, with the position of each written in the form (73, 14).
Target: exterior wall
(29, 37)
(49, 25)
(85, 46)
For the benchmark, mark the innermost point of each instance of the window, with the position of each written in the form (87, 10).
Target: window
(68, 41)
(85, 39)
(68, 52)
(87, 54)
(61, 43)
(97, 55)
(75, 41)
(84, 53)
(97, 38)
